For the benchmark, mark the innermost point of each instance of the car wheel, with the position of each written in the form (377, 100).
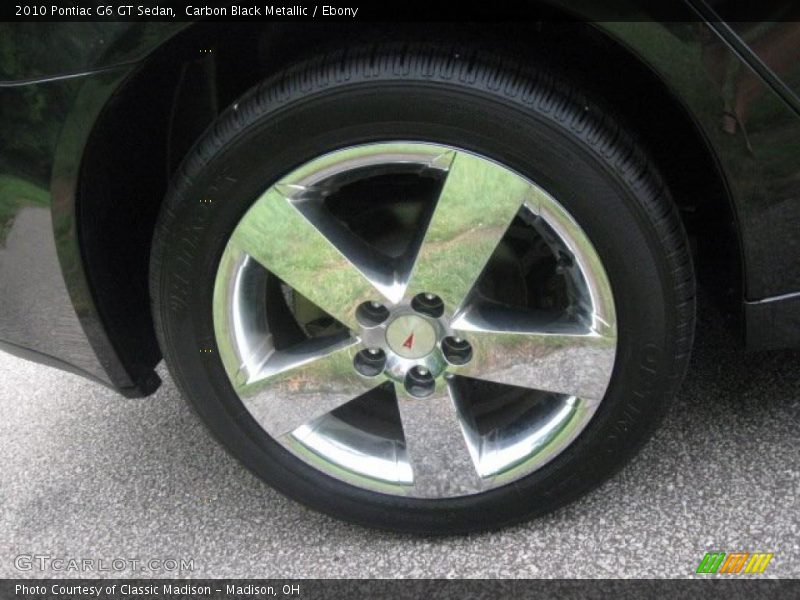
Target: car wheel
(422, 289)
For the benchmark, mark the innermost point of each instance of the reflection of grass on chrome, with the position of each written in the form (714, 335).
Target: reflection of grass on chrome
(535, 344)
(476, 205)
(330, 373)
(480, 199)
(465, 255)
(298, 253)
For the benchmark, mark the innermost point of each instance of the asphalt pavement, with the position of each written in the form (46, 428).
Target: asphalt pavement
(87, 474)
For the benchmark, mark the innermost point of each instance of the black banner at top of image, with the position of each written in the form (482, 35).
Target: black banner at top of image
(402, 10)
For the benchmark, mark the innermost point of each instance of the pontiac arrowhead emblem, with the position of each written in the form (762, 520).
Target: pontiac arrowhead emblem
(409, 343)
(410, 336)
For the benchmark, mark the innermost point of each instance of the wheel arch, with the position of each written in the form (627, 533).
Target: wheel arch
(173, 94)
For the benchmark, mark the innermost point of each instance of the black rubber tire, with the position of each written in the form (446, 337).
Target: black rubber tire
(519, 115)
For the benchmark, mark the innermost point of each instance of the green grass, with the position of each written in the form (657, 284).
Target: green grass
(16, 194)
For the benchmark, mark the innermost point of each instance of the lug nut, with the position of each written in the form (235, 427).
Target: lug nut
(370, 362)
(456, 350)
(428, 304)
(371, 314)
(419, 382)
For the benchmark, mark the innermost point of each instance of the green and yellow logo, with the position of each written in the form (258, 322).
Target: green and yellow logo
(735, 563)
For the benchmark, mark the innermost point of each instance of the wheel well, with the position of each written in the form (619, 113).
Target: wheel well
(161, 110)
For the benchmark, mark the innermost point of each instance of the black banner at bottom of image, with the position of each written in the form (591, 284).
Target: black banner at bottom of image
(355, 589)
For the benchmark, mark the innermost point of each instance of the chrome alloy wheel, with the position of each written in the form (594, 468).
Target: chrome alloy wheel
(386, 389)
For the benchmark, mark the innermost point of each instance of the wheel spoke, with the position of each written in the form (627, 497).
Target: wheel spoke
(296, 385)
(555, 356)
(441, 459)
(290, 236)
(478, 201)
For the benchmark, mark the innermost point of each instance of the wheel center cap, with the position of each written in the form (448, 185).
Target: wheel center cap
(410, 336)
